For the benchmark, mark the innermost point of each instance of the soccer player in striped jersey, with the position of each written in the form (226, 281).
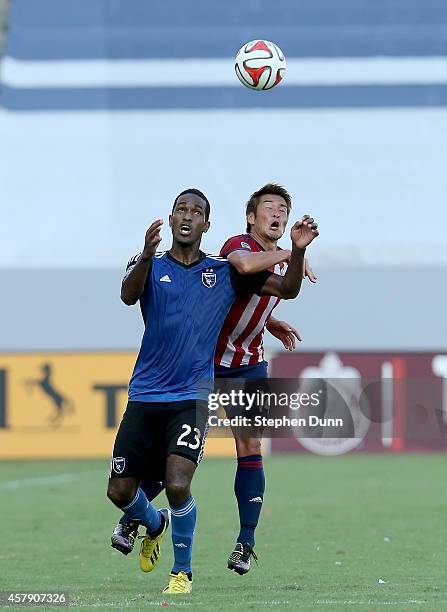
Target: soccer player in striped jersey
(184, 297)
(240, 349)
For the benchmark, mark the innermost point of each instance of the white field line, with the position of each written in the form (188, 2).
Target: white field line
(270, 603)
(219, 72)
(374, 602)
(134, 604)
(42, 481)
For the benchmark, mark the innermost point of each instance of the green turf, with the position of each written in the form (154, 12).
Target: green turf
(330, 529)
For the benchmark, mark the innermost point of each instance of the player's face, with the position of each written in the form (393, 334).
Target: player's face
(271, 217)
(188, 219)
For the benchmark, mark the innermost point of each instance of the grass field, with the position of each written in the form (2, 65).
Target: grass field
(331, 529)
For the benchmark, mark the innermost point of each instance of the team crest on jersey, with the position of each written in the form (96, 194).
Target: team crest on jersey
(245, 245)
(118, 463)
(209, 278)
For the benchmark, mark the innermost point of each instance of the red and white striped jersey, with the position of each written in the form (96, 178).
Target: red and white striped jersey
(241, 338)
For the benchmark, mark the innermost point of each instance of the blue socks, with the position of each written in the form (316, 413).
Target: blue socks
(183, 521)
(151, 488)
(142, 509)
(249, 487)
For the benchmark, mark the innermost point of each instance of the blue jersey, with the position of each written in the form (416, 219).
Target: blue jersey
(183, 308)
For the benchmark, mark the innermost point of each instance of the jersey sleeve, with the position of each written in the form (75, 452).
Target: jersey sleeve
(248, 283)
(236, 243)
(131, 264)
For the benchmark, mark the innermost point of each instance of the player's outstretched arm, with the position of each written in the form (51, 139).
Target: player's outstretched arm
(287, 334)
(251, 263)
(133, 284)
(288, 286)
(309, 272)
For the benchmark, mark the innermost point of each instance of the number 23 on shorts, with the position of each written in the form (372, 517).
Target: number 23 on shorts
(187, 429)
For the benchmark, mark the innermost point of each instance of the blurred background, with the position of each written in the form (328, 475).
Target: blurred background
(110, 108)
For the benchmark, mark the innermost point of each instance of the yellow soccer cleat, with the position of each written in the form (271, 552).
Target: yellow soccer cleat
(178, 584)
(150, 547)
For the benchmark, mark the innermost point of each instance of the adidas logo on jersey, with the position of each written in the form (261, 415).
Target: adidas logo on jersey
(181, 545)
(256, 499)
(165, 279)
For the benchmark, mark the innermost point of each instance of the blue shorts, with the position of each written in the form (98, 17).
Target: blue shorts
(258, 370)
(256, 373)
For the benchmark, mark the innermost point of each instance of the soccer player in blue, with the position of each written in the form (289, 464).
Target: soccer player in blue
(184, 297)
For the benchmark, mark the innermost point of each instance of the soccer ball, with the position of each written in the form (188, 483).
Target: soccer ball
(260, 64)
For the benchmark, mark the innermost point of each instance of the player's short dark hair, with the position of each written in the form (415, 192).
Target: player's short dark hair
(270, 188)
(199, 193)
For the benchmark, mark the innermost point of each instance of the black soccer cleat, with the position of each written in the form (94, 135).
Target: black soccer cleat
(239, 560)
(124, 536)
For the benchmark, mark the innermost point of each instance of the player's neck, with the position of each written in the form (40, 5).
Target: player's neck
(186, 255)
(267, 245)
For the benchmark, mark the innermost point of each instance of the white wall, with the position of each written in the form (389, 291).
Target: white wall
(353, 308)
(79, 189)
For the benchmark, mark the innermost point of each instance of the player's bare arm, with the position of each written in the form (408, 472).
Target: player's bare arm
(251, 263)
(288, 286)
(287, 334)
(133, 284)
(308, 272)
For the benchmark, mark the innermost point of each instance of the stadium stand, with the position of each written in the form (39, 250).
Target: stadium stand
(133, 30)
(52, 29)
(101, 98)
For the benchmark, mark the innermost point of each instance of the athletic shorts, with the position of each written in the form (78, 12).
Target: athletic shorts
(256, 371)
(251, 379)
(150, 431)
